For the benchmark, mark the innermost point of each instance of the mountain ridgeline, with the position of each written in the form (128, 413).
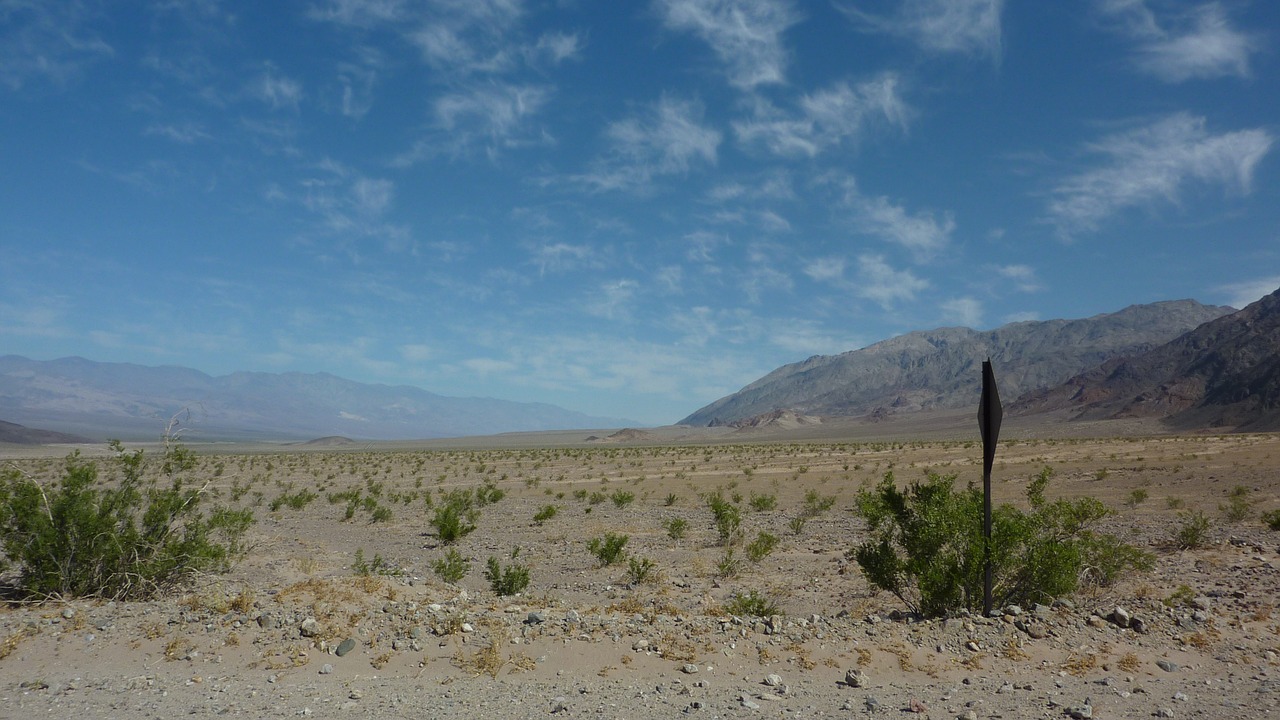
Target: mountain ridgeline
(940, 369)
(1224, 374)
(128, 401)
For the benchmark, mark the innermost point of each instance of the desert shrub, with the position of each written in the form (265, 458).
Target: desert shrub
(796, 524)
(1193, 532)
(751, 603)
(729, 564)
(455, 517)
(130, 538)
(452, 567)
(670, 499)
(1272, 519)
(376, 566)
(488, 494)
(380, 513)
(596, 497)
(1137, 497)
(675, 527)
(640, 570)
(546, 513)
(608, 549)
(1238, 507)
(509, 580)
(927, 548)
(760, 548)
(762, 503)
(622, 498)
(816, 504)
(728, 519)
(295, 501)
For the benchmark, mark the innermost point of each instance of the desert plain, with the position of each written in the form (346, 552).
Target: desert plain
(336, 610)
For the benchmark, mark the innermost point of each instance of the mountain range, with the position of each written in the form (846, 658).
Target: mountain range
(130, 402)
(1223, 374)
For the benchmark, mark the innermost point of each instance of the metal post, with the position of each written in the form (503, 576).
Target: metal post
(990, 413)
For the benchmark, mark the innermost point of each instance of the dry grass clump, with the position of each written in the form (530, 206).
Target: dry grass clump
(9, 644)
(1129, 663)
(1080, 665)
(489, 660)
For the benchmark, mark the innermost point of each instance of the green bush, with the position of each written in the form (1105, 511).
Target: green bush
(455, 517)
(816, 504)
(675, 527)
(608, 549)
(762, 503)
(452, 567)
(622, 498)
(927, 546)
(760, 548)
(728, 518)
(640, 570)
(1238, 508)
(131, 538)
(751, 603)
(376, 566)
(510, 580)
(546, 513)
(1193, 532)
(1272, 519)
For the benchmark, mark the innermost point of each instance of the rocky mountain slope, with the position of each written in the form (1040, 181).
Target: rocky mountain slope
(1226, 373)
(939, 369)
(15, 434)
(134, 402)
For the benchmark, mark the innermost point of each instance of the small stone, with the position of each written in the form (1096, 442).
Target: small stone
(967, 715)
(1007, 687)
(355, 695)
(68, 613)
(310, 627)
(748, 704)
(559, 705)
(345, 647)
(1200, 616)
(1084, 712)
(640, 645)
(1164, 712)
(537, 617)
(1097, 622)
(1180, 696)
(1121, 617)
(917, 707)
(857, 679)
(1167, 665)
(1013, 610)
(327, 669)
(773, 680)
(973, 646)
(871, 703)
(1037, 631)
(689, 669)
(1201, 603)
(1138, 625)
(468, 627)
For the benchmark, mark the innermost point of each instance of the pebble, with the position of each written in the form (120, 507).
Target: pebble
(559, 705)
(327, 669)
(689, 669)
(856, 679)
(345, 647)
(773, 680)
(1084, 712)
(1167, 665)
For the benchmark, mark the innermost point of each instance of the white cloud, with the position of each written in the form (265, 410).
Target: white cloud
(825, 119)
(1245, 292)
(49, 40)
(746, 35)
(417, 352)
(880, 283)
(961, 26)
(965, 311)
(612, 300)
(359, 12)
(493, 117)
(921, 234)
(277, 90)
(1023, 277)
(827, 269)
(1152, 163)
(669, 139)
(1198, 43)
(562, 256)
(185, 133)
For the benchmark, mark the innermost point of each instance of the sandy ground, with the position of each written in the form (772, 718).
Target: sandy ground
(582, 640)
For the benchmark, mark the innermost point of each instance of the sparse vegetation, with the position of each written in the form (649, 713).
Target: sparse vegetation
(1193, 532)
(751, 603)
(1239, 507)
(546, 513)
(608, 549)
(927, 548)
(129, 538)
(452, 567)
(760, 548)
(509, 580)
(1272, 520)
(641, 570)
(675, 527)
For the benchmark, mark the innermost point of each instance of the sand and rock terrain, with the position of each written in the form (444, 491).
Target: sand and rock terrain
(295, 630)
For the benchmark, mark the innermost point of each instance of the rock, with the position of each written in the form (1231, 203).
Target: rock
(1121, 617)
(1167, 665)
(536, 617)
(1097, 622)
(327, 669)
(689, 669)
(310, 627)
(640, 645)
(748, 704)
(559, 705)
(773, 681)
(345, 647)
(1200, 616)
(1084, 712)
(355, 695)
(1164, 713)
(967, 715)
(857, 679)
(68, 613)
(1007, 687)
(1013, 610)
(917, 707)
(1201, 603)
(1138, 625)
(871, 703)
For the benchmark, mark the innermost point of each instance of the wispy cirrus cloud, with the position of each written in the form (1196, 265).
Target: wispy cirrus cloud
(884, 285)
(277, 90)
(746, 35)
(47, 40)
(964, 311)
(668, 139)
(1023, 277)
(922, 234)
(1240, 294)
(1153, 163)
(1196, 43)
(942, 26)
(825, 119)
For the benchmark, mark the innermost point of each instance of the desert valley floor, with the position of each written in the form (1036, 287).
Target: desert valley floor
(296, 630)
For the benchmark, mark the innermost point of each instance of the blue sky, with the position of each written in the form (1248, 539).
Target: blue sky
(624, 208)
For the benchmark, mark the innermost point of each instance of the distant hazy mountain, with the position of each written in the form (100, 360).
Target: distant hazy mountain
(132, 401)
(22, 435)
(1225, 373)
(942, 368)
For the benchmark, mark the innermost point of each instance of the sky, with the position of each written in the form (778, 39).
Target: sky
(628, 208)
